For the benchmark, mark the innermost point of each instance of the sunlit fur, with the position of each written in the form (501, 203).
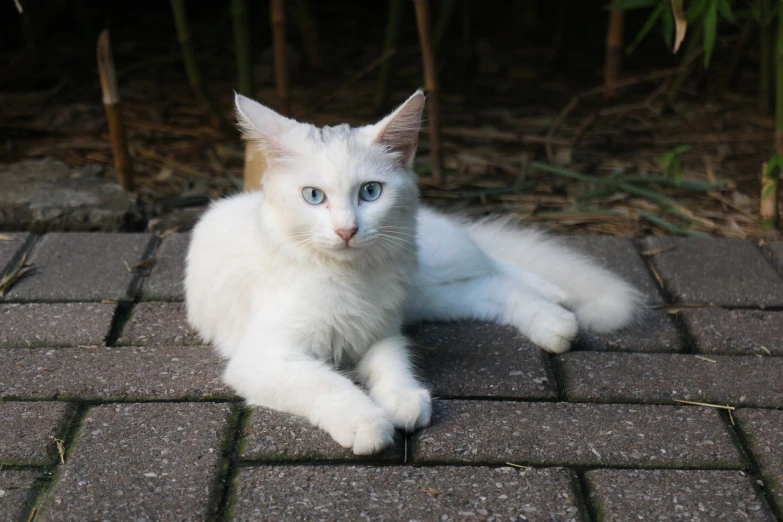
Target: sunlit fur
(301, 315)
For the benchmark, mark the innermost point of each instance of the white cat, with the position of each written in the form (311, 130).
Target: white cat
(304, 286)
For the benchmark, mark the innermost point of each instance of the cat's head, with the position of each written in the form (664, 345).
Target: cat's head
(344, 192)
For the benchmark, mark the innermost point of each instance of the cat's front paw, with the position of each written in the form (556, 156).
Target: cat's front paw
(554, 329)
(409, 408)
(365, 433)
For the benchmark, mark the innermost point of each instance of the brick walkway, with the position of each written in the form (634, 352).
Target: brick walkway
(97, 361)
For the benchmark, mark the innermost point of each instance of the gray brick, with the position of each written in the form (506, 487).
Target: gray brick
(564, 434)
(620, 495)
(54, 324)
(17, 494)
(481, 359)
(165, 280)
(621, 377)
(81, 267)
(745, 332)
(763, 431)
(156, 324)
(10, 250)
(142, 462)
(170, 372)
(723, 272)
(26, 431)
(272, 435)
(656, 332)
(619, 255)
(405, 493)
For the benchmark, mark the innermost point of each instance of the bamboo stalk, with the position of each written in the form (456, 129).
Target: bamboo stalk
(393, 20)
(277, 17)
(431, 85)
(191, 65)
(111, 103)
(614, 51)
(309, 30)
(242, 47)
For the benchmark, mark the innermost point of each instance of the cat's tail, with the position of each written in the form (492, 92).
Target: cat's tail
(601, 300)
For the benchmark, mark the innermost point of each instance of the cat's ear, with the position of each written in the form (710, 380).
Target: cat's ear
(262, 127)
(399, 131)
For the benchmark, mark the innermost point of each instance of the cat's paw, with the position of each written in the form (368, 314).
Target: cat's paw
(409, 408)
(364, 433)
(554, 329)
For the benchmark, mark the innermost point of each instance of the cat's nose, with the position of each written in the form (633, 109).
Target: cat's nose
(346, 233)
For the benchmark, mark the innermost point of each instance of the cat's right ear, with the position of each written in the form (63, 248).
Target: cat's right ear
(262, 127)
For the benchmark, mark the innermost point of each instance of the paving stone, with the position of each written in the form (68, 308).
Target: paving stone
(481, 359)
(656, 332)
(9, 250)
(763, 431)
(26, 431)
(723, 272)
(272, 435)
(620, 495)
(165, 280)
(735, 331)
(54, 324)
(123, 373)
(156, 324)
(567, 434)
(619, 255)
(81, 267)
(17, 494)
(143, 462)
(624, 377)
(405, 493)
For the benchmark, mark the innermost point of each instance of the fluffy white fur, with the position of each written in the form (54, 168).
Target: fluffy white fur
(302, 315)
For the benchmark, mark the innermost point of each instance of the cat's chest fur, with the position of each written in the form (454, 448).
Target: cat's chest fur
(350, 310)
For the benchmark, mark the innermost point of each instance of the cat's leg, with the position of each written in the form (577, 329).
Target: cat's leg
(501, 298)
(298, 384)
(386, 370)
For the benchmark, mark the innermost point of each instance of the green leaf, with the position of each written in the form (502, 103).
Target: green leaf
(768, 192)
(725, 11)
(667, 25)
(710, 30)
(646, 28)
(682, 149)
(695, 10)
(627, 5)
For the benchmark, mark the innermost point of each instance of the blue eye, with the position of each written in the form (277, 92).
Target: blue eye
(313, 195)
(371, 191)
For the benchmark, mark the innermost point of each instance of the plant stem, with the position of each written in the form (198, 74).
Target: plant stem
(111, 103)
(242, 47)
(671, 227)
(431, 85)
(614, 50)
(393, 19)
(277, 17)
(191, 65)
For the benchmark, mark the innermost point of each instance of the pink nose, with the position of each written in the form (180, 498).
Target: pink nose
(346, 233)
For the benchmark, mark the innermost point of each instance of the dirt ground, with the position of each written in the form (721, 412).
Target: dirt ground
(512, 99)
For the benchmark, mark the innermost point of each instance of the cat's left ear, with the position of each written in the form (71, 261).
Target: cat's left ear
(263, 127)
(399, 131)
